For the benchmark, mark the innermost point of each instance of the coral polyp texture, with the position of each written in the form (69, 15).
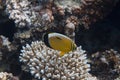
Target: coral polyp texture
(110, 59)
(43, 13)
(46, 64)
(7, 76)
(88, 11)
(65, 16)
(21, 12)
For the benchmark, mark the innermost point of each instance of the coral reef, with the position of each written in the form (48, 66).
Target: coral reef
(71, 23)
(87, 11)
(40, 15)
(25, 14)
(45, 63)
(35, 61)
(107, 63)
(7, 76)
(20, 11)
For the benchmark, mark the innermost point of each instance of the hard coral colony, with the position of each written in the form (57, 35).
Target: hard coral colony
(65, 15)
(46, 64)
(7, 76)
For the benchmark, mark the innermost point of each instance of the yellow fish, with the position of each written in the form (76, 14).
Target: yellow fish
(59, 42)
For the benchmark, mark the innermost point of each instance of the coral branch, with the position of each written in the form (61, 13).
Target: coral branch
(45, 63)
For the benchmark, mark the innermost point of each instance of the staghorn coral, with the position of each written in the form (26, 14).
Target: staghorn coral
(45, 63)
(7, 76)
(107, 63)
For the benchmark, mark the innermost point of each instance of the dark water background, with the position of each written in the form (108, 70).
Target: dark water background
(104, 34)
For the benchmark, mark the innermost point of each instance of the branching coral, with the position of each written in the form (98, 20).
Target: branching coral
(68, 4)
(7, 76)
(42, 15)
(27, 13)
(21, 12)
(45, 63)
(88, 11)
(37, 16)
(107, 62)
(71, 25)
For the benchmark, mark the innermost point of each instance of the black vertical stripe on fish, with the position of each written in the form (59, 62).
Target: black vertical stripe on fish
(46, 40)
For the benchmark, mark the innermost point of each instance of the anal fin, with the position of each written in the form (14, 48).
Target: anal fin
(62, 54)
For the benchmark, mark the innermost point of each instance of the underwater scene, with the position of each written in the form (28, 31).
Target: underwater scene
(59, 39)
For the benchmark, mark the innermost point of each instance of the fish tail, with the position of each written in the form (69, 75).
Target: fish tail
(62, 53)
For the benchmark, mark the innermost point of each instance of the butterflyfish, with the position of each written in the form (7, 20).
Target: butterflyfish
(59, 42)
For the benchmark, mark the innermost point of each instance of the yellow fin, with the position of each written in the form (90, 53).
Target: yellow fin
(62, 53)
